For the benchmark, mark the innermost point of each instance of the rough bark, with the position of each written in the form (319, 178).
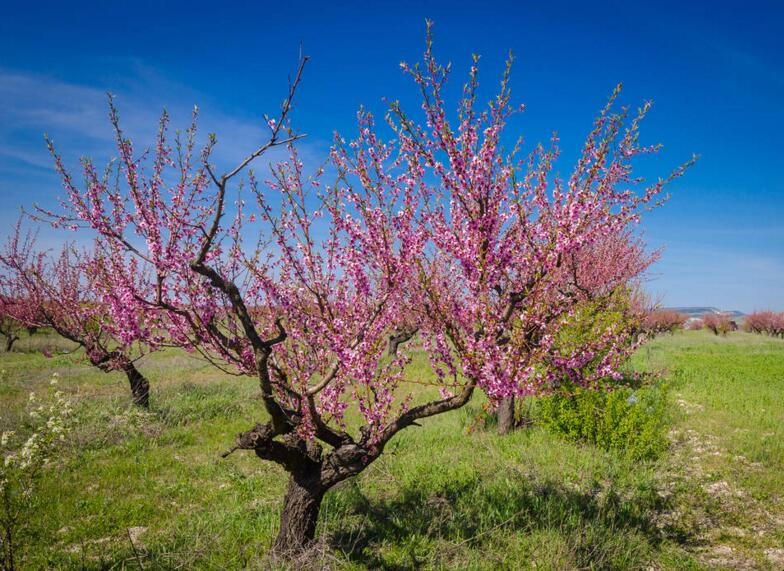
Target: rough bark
(9, 341)
(140, 386)
(109, 361)
(300, 513)
(506, 415)
(312, 472)
(398, 338)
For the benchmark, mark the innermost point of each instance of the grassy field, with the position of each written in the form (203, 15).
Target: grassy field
(148, 490)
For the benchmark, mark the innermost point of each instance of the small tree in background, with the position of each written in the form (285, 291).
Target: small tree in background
(17, 312)
(719, 323)
(663, 321)
(65, 292)
(768, 322)
(10, 326)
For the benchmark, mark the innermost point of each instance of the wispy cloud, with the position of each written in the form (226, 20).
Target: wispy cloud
(76, 118)
(30, 102)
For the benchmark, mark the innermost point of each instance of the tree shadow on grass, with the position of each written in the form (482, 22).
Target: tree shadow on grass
(428, 526)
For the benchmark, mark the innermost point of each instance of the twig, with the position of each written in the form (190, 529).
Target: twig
(135, 552)
(229, 452)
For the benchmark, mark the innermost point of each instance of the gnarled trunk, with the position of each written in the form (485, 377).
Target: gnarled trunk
(140, 387)
(311, 472)
(9, 341)
(300, 513)
(506, 415)
(398, 338)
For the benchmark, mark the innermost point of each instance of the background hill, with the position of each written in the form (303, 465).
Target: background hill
(697, 311)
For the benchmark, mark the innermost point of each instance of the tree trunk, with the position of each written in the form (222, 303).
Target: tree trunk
(506, 415)
(140, 387)
(9, 341)
(300, 513)
(397, 338)
(392, 348)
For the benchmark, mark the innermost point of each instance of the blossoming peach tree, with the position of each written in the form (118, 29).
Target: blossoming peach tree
(435, 231)
(509, 248)
(660, 321)
(64, 292)
(10, 325)
(768, 322)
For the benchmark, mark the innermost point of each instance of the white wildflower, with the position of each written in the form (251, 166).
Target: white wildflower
(5, 437)
(24, 462)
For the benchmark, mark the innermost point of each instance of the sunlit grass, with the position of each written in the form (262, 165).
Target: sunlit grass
(447, 495)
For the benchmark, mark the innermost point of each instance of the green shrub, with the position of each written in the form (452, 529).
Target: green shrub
(593, 319)
(632, 422)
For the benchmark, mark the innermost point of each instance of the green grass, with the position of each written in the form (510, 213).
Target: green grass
(448, 495)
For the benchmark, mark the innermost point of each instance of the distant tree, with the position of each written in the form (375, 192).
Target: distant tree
(719, 323)
(767, 322)
(64, 292)
(663, 321)
(17, 312)
(10, 326)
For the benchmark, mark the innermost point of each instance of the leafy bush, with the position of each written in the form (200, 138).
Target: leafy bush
(583, 333)
(631, 421)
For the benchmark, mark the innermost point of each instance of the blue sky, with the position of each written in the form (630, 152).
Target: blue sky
(714, 70)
